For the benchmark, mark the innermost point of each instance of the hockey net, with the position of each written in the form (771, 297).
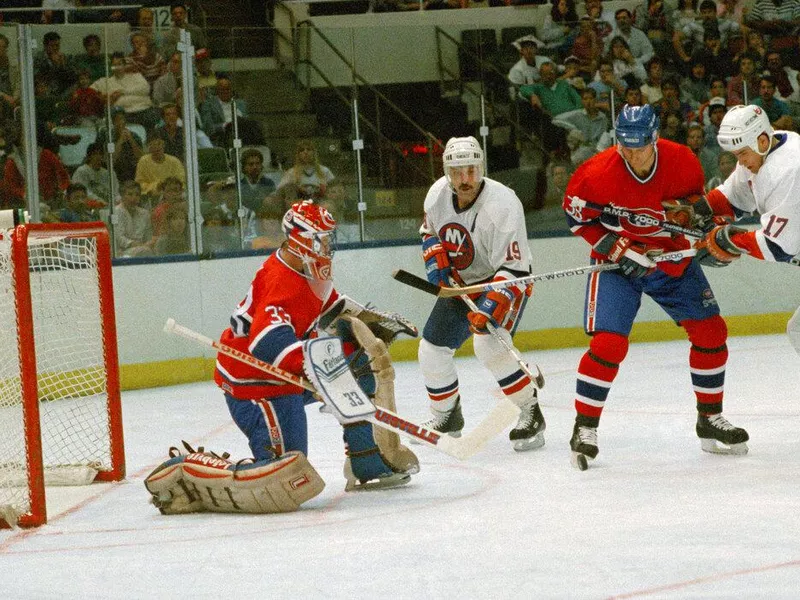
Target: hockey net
(60, 412)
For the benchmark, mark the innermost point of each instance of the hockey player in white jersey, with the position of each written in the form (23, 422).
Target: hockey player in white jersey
(474, 232)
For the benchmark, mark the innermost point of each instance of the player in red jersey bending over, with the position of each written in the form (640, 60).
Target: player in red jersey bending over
(642, 174)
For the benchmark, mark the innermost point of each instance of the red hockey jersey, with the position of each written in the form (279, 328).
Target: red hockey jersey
(280, 309)
(607, 179)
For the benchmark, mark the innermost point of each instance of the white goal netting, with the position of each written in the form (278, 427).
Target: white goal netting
(71, 377)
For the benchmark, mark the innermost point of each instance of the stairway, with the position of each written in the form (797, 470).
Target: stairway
(237, 28)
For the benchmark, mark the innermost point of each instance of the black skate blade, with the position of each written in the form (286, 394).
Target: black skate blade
(579, 461)
(714, 447)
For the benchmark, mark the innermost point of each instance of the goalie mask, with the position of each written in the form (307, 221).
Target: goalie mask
(311, 236)
(463, 152)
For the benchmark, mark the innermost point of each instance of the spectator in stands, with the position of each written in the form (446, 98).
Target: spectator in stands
(216, 111)
(144, 58)
(716, 111)
(307, 177)
(156, 166)
(588, 46)
(128, 89)
(777, 18)
(651, 89)
(633, 97)
(180, 21)
(164, 87)
(171, 194)
(651, 17)
(85, 104)
(206, 78)
(203, 141)
(9, 79)
(571, 73)
(54, 65)
(757, 47)
(526, 70)
(145, 24)
(694, 87)
(787, 80)
(732, 10)
(133, 231)
(636, 39)
(560, 25)
(174, 239)
(558, 174)
(94, 175)
(695, 140)
(671, 101)
(602, 19)
(673, 127)
(743, 87)
(711, 22)
(610, 88)
(716, 92)
(589, 121)
(716, 57)
(171, 132)
(257, 189)
(726, 163)
(53, 176)
(50, 109)
(128, 147)
(76, 207)
(92, 59)
(777, 110)
(626, 65)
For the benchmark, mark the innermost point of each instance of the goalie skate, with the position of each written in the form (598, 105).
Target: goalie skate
(354, 484)
(529, 432)
(584, 446)
(718, 436)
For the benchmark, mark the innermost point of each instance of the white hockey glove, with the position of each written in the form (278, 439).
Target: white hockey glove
(386, 326)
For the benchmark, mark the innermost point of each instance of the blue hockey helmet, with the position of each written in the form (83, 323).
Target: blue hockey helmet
(636, 126)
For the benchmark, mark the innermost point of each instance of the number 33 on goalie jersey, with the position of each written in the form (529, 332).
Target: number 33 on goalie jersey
(280, 309)
(487, 237)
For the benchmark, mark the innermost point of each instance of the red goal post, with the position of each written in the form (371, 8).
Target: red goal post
(60, 413)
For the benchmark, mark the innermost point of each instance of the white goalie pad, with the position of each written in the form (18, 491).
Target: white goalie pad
(326, 367)
(201, 481)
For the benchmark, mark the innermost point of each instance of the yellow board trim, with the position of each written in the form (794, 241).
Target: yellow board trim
(190, 370)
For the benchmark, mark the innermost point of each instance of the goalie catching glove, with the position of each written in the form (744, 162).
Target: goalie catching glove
(632, 257)
(203, 481)
(386, 326)
(718, 249)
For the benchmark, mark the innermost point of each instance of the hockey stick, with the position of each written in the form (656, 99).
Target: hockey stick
(638, 219)
(461, 448)
(450, 292)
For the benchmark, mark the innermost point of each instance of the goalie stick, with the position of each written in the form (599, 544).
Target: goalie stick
(635, 218)
(461, 448)
(424, 285)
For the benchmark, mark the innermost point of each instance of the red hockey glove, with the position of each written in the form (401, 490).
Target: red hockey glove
(437, 263)
(717, 249)
(631, 257)
(492, 307)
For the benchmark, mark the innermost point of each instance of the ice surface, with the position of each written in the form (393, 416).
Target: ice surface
(653, 516)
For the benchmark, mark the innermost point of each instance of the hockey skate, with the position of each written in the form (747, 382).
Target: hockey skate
(529, 431)
(382, 482)
(584, 446)
(718, 436)
(450, 422)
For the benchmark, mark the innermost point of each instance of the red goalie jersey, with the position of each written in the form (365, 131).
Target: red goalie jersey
(280, 309)
(607, 179)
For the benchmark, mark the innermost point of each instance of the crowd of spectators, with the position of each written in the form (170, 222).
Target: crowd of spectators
(691, 62)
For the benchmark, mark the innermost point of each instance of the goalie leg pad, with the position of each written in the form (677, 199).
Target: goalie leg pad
(398, 456)
(365, 467)
(170, 493)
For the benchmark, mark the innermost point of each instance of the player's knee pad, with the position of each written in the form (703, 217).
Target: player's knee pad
(365, 457)
(436, 363)
(493, 355)
(610, 347)
(202, 481)
(707, 333)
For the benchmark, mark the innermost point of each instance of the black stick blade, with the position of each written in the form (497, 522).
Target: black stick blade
(416, 282)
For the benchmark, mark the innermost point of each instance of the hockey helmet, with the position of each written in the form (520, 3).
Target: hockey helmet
(462, 152)
(310, 235)
(636, 126)
(741, 127)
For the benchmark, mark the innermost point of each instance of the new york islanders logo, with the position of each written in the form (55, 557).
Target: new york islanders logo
(458, 244)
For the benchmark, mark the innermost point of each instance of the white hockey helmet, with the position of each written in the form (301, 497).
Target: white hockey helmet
(462, 152)
(741, 127)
